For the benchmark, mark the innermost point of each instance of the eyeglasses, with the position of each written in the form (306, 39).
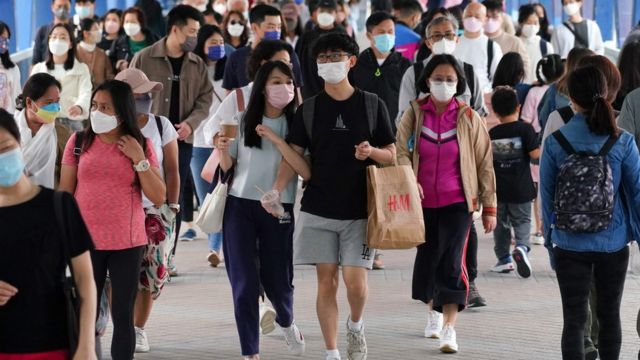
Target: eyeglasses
(333, 57)
(449, 82)
(236, 22)
(437, 37)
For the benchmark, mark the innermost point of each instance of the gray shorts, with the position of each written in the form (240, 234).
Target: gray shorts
(319, 240)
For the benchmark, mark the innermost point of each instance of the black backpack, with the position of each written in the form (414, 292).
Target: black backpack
(583, 201)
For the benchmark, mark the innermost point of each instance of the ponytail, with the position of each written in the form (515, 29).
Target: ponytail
(588, 89)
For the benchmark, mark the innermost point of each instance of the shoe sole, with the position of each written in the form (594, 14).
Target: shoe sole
(432, 336)
(268, 323)
(504, 271)
(522, 263)
(213, 259)
(476, 304)
(141, 351)
(448, 349)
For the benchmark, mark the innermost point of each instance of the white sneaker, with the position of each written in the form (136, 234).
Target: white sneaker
(503, 268)
(537, 239)
(294, 339)
(356, 344)
(448, 342)
(267, 319)
(142, 343)
(434, 325)
(332, 357)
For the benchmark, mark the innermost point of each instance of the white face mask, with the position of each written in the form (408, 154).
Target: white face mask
(326, 19)
(444, 46)
(442, 90)
(88, 47)
(202, 7)
(529, 30)
(131, 29)
(102, 123)
(572, 8)
(235, 29)
(333, 72)
(58, 47)
(220, 8)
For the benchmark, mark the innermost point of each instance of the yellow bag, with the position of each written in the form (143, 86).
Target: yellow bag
(395, 219)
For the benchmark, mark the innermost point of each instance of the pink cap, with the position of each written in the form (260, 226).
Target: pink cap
(139, 82)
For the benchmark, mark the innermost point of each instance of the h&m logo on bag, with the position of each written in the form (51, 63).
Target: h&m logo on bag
(401, 202)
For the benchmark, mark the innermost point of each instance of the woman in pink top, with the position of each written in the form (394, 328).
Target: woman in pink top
(107, 170)
(448, 146)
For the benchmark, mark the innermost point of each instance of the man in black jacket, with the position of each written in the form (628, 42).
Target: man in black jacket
(326, 17)
(379, 68)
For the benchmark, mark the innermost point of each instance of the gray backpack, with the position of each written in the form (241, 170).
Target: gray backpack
(584, 196)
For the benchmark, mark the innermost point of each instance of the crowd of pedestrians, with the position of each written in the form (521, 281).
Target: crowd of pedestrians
(131, 120)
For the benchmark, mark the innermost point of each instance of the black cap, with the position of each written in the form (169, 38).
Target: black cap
(328, 4)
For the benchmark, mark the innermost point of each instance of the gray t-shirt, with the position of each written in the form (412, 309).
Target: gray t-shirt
(259, 167)
(582, 33)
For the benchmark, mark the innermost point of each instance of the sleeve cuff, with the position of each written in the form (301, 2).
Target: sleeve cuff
(489, 211)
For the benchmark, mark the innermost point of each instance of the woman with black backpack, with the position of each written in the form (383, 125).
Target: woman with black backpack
(588, 223)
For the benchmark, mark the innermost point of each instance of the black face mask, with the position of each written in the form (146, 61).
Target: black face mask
(143, 104)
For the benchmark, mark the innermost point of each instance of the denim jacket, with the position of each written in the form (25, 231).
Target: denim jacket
(624, 161)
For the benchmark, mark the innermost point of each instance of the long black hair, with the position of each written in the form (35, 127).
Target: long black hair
(8, 123)
(588, 89)
(628, 65)
(255, 109)
(510, 70)
(124, 105)
(35, 88)
(6, 58)
(544, 23)
(204, 34)
(437, 60)
(71, 53)
(85, 25)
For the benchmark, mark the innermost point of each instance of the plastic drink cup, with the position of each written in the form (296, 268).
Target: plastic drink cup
(271, 200)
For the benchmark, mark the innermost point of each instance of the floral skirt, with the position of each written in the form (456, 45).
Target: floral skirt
(160, 224)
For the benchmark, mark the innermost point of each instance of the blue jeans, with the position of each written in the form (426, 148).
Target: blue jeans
(198, 159)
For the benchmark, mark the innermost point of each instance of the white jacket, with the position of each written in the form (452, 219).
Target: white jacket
(563, 40)
(76, 88)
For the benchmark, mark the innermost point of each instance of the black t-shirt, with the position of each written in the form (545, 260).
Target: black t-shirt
(338, 189)
(32, 260)
(511, 143)
(174, 110)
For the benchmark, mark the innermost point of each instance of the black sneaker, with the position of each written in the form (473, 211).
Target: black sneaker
(475, 299)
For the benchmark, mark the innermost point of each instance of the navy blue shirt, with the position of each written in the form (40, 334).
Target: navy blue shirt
(235, 72)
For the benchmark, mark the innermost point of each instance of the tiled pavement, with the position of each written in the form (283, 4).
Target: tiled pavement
(193, 319)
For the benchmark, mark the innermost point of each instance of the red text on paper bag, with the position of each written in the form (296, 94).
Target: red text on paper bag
(398, 203)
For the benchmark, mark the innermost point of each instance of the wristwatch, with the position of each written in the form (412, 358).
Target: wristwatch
(142, 166)
(175, 207)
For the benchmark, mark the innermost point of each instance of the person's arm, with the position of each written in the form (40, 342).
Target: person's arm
(293, 155)
(548, 173)
(69, 168)
(477, 98)
(150, 181)
(631, 185)
(485, 173)
(627, 117)
(535, 154)
(223, 145)
(200, 110)
(407, 92)
(598, 45)
(83, 276)
(404, 155)
(171, 174)
(84, 91)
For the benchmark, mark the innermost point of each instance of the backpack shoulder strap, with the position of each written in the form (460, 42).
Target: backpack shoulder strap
(489, 58)
(470, 75)
(608, 145)
(77, 147)
(240, 99)
(543, 47)
(566, 113)
(308, 111)
(371, 107)
(58, 207)
(578, 38)
(159, 125)
(563, 142)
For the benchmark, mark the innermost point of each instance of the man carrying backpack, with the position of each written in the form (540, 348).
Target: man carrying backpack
(345, 130)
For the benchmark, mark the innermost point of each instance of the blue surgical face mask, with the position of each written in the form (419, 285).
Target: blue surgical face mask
(143, 104)
(11, 167)
(384, 42)
(272, 35)
(215, 52)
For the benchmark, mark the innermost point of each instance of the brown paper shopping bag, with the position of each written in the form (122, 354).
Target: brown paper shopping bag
(395, 218)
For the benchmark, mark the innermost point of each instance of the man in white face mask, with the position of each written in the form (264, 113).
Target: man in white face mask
(493, 29)
(331, 228)
(441, 38)
(325, 14)
(476, 48)
(576, 32)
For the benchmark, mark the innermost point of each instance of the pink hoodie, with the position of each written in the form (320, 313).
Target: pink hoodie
(439, 170)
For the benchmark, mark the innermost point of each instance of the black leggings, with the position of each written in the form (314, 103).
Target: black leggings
(124, 272)
(574, 272)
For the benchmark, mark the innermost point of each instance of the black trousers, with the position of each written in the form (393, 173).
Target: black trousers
(185, 151)
(124, 271)
(439, 271)
(472, 253)
(574, 271)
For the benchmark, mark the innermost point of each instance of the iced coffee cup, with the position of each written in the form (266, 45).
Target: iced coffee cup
(229, 128)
